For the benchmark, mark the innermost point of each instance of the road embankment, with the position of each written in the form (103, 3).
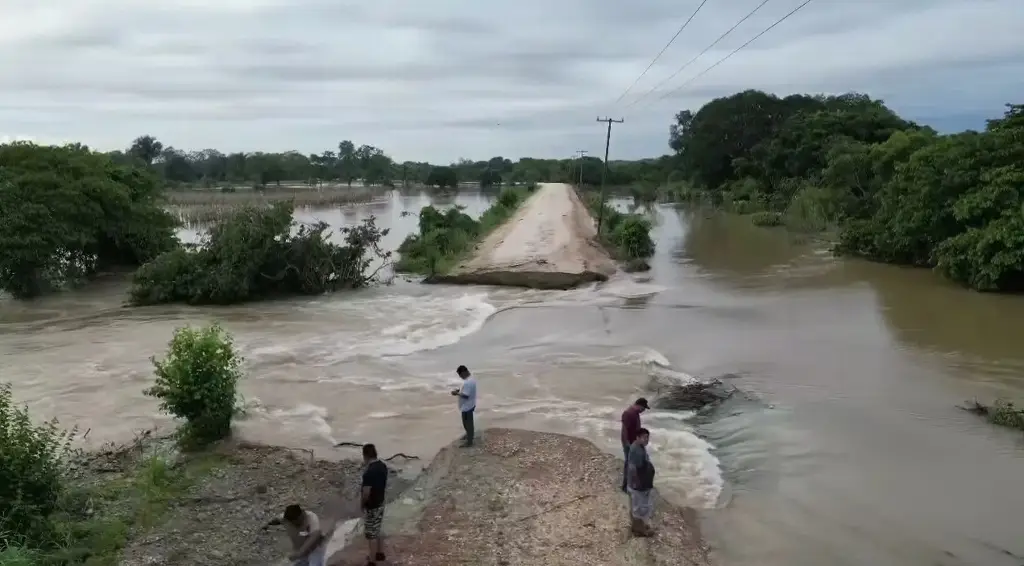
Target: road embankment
(525, 498)
(549, 243)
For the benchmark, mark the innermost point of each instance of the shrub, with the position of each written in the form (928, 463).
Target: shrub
(32, 459)
(632, 237)
(443, 237)
(1004, 413)
(260, 253)
(197, 381)
(766, 219)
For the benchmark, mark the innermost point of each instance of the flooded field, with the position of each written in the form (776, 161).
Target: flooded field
(847, 451)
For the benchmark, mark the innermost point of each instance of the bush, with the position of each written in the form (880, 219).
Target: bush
(766, 219)
(1004, 413)
(32, 459)
(632, 237)
(257, 253)
(627, 237)
(443, 237)
(197, 381)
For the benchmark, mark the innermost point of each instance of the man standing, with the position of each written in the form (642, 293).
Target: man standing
(630, 428)
(467, 402)
(309, 545)
(641, 485)
(375, 482)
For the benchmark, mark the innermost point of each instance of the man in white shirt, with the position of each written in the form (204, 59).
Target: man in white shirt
(467, 402)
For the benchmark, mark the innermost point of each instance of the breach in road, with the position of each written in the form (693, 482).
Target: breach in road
(550, 243)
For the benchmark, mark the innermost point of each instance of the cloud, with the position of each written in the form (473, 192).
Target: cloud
(457, 78)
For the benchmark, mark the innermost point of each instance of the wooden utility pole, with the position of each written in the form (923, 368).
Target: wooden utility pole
(579, 155)
(604, 173)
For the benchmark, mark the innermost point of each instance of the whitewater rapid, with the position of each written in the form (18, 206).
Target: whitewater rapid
(393, 327)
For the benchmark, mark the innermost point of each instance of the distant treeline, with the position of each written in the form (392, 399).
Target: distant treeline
(365, 164)
(891, 190)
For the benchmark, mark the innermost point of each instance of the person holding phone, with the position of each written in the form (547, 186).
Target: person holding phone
(467, 402)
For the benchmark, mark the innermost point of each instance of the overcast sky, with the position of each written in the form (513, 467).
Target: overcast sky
(442, 79)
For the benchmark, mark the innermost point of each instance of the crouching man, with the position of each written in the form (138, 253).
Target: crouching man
(309, 545)
(641, 485)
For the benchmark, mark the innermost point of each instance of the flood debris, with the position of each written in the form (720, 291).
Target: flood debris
(526, 498)
(675, 395)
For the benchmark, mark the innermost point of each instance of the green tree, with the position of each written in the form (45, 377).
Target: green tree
(69, 212)
(146, 149)
(442, 177)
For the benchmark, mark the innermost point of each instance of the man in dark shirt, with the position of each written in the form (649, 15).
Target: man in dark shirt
(630, 428)
(375, 481)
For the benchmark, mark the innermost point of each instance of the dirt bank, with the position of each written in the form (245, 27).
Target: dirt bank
(526, 498)
(209, 509)
(550, 243)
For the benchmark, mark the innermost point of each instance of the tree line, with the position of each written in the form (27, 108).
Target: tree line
(368, 165)
(892, 190)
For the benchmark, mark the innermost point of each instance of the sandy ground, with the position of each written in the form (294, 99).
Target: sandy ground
(551, 242)
(526, 498)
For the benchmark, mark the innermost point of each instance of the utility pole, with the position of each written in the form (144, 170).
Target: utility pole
(604, 173)
(579, 155)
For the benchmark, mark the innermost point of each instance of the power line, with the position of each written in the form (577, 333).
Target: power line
(699, 55)
(735, 51)
(662, 52)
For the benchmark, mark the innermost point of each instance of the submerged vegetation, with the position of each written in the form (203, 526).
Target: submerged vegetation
(260, 253)
(626, 235)
(893, 191)
(1002, 413)
(443, 238)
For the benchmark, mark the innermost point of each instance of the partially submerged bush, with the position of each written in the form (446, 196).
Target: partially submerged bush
(254, 255)
(1005, 413)
(32, 464)
(197, 381)
(627, 236)
(443, 237)
(766, 218)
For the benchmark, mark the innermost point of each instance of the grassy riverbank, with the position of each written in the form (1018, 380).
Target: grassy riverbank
(445, 237)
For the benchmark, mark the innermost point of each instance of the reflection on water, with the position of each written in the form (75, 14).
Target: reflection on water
(848, 451)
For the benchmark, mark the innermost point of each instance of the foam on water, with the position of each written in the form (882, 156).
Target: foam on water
(427, 323)
(687, 469)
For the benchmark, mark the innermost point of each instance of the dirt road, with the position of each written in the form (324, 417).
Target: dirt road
(550, 243)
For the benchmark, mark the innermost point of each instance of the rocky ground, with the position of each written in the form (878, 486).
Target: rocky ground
(227, 496)
(527, 498)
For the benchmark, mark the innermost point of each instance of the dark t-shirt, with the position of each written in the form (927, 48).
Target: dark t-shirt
(630, 425)
(376, 477)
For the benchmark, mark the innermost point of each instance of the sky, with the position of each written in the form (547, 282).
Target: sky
(440, 80)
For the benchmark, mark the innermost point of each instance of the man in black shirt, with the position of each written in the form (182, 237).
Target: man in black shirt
(375, 481)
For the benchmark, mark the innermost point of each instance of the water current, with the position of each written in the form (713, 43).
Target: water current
(847, 448)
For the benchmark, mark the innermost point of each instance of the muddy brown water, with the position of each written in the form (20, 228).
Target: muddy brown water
(849, 450)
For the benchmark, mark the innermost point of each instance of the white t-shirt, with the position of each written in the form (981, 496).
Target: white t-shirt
(467, 403)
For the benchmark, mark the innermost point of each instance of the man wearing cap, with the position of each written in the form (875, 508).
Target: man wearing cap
(630, 429)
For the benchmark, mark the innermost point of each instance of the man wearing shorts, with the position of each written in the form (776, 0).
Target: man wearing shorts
(641, 485)
(375, 481)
